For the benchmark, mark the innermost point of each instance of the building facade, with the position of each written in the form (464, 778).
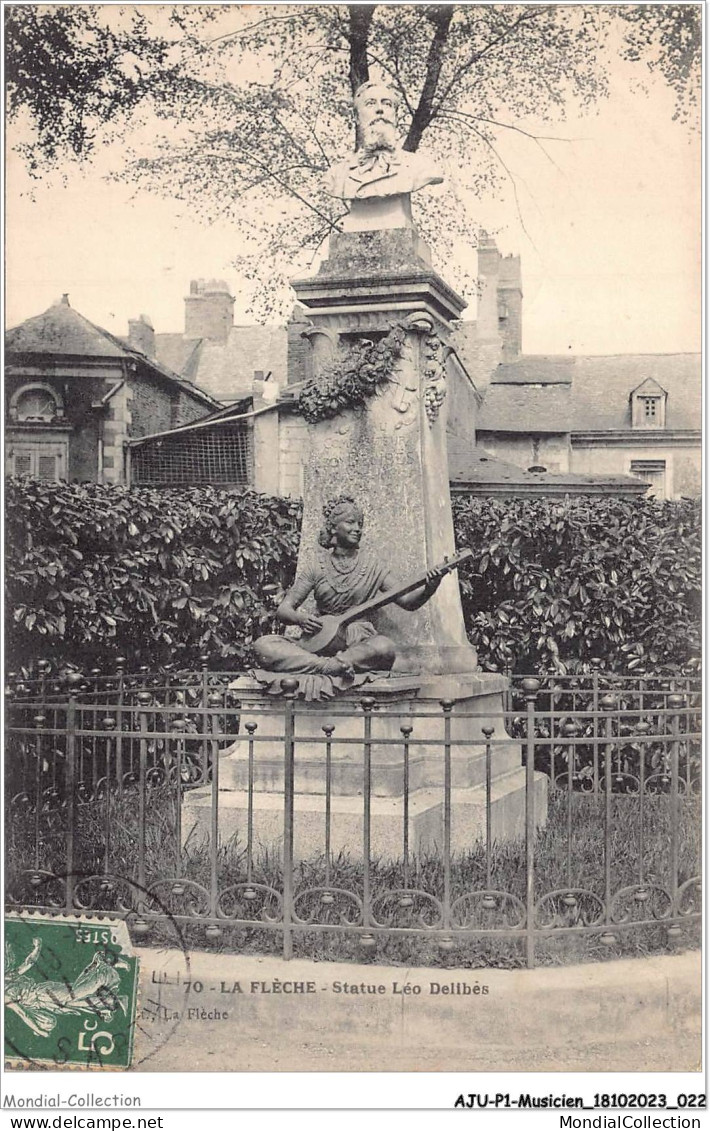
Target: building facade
(75, 395)
(623, 415)
(217, 403)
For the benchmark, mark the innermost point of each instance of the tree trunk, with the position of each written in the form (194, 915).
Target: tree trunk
(360, 20)
(441, 18)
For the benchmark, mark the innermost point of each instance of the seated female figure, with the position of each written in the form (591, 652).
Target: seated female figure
(345, 577)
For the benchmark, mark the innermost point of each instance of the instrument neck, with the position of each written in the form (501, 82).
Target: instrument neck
(400, 591)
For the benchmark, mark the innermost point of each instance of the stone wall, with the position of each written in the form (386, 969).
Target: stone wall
(158, 408)
(292, 448)
(683, 463)
(525, 450)
(115, 432)
(462, 415)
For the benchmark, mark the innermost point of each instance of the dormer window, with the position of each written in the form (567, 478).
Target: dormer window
(648, 405)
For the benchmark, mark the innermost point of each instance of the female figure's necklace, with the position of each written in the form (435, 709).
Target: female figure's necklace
(342, 580)
(345, 570)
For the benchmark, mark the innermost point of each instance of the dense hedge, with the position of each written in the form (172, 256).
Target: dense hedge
(95, 572)
(556, 585)
(162, 577)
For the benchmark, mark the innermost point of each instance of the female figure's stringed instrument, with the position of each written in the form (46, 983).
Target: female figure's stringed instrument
(332, 625)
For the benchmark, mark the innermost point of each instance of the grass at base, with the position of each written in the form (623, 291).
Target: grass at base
(569, 857)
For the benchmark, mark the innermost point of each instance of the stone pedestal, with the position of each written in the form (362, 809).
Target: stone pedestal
(476, 704)
(391, 454)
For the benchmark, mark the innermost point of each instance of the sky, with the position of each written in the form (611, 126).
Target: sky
(608, 225)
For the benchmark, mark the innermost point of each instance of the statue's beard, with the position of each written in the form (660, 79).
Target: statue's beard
(379, 134)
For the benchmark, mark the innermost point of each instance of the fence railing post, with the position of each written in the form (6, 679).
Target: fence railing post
(595, 732)
(214, 701)
(608, 703)
(675, 704)
(289, 688)
(447, 706)
(367, 703)
(204, 721)
(108, 723)
(39, 721)
(488, 734)
(69, 790)
(530, 688)
(144, 700)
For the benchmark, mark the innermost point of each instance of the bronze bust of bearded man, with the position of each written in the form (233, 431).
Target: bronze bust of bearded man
(345, 577)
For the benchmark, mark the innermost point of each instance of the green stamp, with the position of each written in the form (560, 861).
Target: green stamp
(71, 988)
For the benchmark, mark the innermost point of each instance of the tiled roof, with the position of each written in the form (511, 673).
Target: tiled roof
(535, 369)
(602, 386)
(178, 353)
(520, 408)
(586, 394)
(226, 369)
(62, 330)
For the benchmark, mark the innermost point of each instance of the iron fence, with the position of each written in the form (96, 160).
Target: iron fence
(117, 803)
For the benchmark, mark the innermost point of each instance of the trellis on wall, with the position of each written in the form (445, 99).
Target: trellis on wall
(221, 455)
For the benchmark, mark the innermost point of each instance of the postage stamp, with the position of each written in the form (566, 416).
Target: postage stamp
(71, 989)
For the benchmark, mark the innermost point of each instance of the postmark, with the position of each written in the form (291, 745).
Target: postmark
(135, 1033)
(71, 992)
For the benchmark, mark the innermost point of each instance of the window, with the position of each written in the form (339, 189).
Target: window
(43, 459)
(36, 404)
(651, 406)
(47, 467)
(653, 472)
(648, 405)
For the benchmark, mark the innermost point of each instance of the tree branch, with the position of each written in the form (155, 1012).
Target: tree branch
(360, 21)
(526, 17)
(507, 126)
(464, 118)
(296, 144)
(252, 159)
(251, 27)
(510, 176)
(441, 18)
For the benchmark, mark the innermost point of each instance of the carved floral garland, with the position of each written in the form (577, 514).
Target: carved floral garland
(352, 377)
(435, 354)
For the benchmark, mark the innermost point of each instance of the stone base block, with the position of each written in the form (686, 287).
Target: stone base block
(425, 767)
(476, 702)
(426, 819)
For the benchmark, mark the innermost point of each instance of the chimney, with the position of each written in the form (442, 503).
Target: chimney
(488, 270)
(208, 310)
(298, 365)
(510, 306)
(264, 389)
(141, 335)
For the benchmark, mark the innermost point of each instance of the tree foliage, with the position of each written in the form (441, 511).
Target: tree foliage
(667, 38)
(162, 577)
(254, 103)
(72, 72)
